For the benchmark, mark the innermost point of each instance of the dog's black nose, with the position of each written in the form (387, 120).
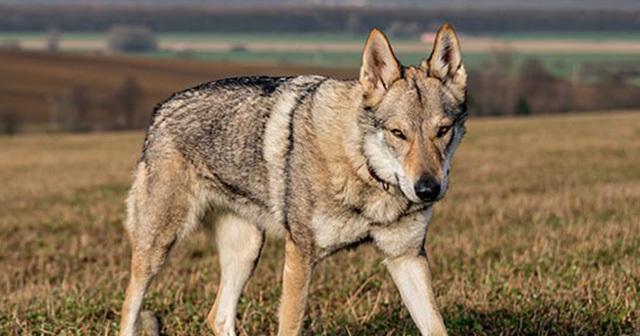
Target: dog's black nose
(427, 189)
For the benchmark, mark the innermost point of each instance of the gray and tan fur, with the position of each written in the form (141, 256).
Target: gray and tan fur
(324, 163)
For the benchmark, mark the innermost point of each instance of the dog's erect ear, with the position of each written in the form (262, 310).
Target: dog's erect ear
(380, 68)
(445, 62)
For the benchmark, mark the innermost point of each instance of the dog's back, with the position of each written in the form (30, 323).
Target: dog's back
(218, 126)
(227, 141)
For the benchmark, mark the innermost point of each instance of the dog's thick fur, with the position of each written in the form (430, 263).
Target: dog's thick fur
(325, 163)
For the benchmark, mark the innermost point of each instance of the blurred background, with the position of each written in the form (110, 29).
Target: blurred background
(539, 233)
(99, 65)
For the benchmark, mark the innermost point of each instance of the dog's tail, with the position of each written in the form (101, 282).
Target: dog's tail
(149, 323)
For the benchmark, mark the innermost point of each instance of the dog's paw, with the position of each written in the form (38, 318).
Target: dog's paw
(149, 324)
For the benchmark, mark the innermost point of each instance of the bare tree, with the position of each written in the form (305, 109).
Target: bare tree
(126, 100)
(491, 90)
(55, 103)
(9, 122)
(53, 40)
(79, 103)
(544, 92)
(522, 107)
(131, 38)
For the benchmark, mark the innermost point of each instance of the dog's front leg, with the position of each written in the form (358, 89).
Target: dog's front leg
(412, 277)
(295, 284)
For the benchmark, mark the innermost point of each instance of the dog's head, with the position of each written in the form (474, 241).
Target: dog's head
(413, 117)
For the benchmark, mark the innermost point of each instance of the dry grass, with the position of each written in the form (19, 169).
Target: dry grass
(540, 234)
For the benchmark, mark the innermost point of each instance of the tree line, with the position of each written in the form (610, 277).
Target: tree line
(272, 18)
(497, 88)
(83, 110)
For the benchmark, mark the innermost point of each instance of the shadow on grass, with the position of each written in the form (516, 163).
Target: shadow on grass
(546, 320)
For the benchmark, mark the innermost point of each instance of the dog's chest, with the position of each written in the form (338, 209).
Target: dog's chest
(334, 230)
(339, 226)
(349, 210)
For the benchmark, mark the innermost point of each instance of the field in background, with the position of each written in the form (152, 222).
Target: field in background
(562, 53)
(36, 86)
(81, 90)
(539, 235)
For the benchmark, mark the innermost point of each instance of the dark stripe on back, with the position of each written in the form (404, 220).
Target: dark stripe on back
(267, 84)
(287, 167)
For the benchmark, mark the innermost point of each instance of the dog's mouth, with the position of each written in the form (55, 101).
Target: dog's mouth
(397, 181)
(405, 188)
(399, 184)
(384, 184)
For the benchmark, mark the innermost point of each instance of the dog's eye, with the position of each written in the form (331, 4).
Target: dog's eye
(442, 131)
(398, 134)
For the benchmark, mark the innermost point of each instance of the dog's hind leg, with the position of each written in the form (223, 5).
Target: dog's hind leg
(239, 246)
(145, 264)
(159, 211)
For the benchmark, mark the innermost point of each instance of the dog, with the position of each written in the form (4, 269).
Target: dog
(325, 164)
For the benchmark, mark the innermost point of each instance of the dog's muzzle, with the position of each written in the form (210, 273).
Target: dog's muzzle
(427, 189)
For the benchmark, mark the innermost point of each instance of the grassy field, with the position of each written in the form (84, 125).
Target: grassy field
(540, 234)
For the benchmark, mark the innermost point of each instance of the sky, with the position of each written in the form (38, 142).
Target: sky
(457, 4)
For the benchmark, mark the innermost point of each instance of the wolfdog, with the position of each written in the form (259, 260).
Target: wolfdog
(325, 164)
